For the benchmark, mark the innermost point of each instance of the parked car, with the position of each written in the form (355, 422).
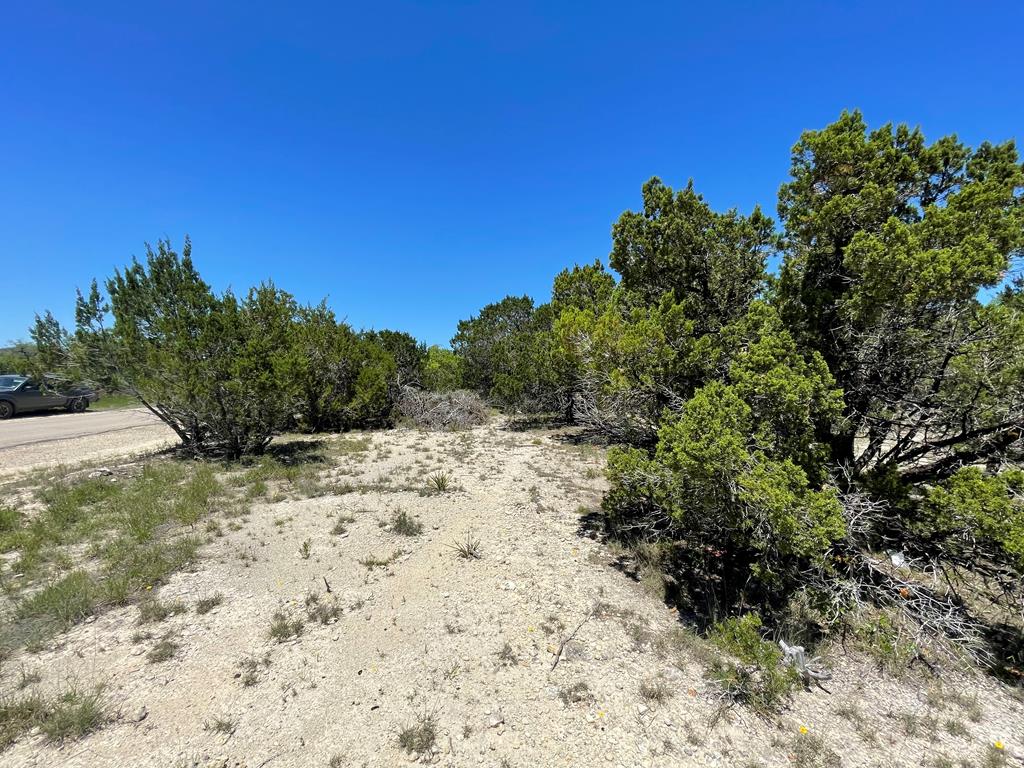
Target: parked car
(21, 394)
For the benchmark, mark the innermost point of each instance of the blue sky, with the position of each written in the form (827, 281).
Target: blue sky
(414, 161)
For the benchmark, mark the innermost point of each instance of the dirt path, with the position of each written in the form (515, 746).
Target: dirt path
(49, 439)
(471, 643)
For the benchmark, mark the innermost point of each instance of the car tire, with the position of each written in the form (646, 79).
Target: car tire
(79, 404)
(6, 409)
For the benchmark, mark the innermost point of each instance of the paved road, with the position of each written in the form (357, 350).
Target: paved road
(31, 429)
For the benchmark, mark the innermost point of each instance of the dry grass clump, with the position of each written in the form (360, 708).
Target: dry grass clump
(420, 736)
(162, 651)
(405, 524)
(282, 628)
(442, 411)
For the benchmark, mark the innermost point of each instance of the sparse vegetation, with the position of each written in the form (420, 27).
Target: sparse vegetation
(758, 680)
(575, 693)
(69, 714)
(152, 610)
(373, 561)
(282, 628)
(164, 650)
(404, 524)
(420, 737)
(809, 751)
(439, 482)
(222, 725)
(507, 655)
(206, 604)
(251, 668)
(322, 610)
(469, 548)
(341, 524)
(125, 530)
(655, 691)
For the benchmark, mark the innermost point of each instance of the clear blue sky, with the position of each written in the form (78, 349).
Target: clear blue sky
(414, 161)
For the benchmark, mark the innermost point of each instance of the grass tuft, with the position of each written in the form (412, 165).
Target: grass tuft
(282, 628)
(207, 604)
(405, 525)
(152, 611)
(419, 737)
(71, 714)
(162, 651)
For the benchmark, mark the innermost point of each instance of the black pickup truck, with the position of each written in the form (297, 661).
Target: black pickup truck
(21, 394)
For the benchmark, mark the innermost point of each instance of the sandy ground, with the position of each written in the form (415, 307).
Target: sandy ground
(423, 635)
(51, 439)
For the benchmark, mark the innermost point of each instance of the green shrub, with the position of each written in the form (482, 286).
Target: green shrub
(209, 365)
(442, 370)
(340, 379)
(731, 482)
(885, 638)
(759, 680)
(970, 510)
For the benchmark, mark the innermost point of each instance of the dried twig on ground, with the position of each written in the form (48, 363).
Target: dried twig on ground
(571, 635)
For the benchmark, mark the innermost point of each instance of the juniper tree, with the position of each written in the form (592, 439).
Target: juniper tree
(889, 241)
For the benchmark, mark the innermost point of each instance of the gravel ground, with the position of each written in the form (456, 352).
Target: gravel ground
(471, 643)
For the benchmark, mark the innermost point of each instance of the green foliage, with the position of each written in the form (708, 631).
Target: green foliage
(9, 519)
(227, 373)
(504, 351)
(889, 241)
(442, 370)
(374, 391)
(64, 602)
(338, 379)
(773, 428)
(123, 530)
(19, 358)
(587, 287)
(408, 353)
(759, 680)
(209, 366)
(713, 263)
(884, 636)
(737, 473)
(70, 714)
(981, 516)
